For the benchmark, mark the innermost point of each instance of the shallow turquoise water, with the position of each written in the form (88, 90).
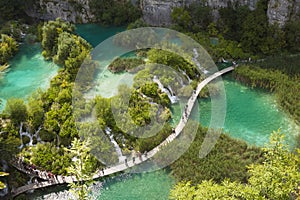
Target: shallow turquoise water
(147, 186)
(251, 114)
(28, 72)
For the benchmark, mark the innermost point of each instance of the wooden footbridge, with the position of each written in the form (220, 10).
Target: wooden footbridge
(58, 179)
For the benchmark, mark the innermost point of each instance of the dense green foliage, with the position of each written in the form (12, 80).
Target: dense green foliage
(51, 31)
(196, 17)
(81, 168)
(292, 35)
(2, 185)
(125, 64)
(49, 114)
(246, 31)
(172, 60)
(48, 157)
(16, 110)
(11, 9)
(218, 47)
(114, 12)
(228, 159)
(8, 47)
(286, 88)
(276, 178)
(289, 64)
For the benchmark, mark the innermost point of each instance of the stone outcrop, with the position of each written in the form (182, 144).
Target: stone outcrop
(76, 11)
(280, 11)
(155, 12)
(158, 12)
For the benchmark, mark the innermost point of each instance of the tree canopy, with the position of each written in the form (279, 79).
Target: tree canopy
(276, 178)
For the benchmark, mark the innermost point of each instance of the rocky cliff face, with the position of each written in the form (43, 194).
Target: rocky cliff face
(280, 11)
(76, 11)
(158, 12)
(155, 12)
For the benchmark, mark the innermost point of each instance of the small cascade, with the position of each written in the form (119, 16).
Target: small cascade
(117, 147)
(172, 98)
(224, 61)
(196, 55)
(29, 135)
(37, 136)
(184, 73)
(170, 89)
(21, 138)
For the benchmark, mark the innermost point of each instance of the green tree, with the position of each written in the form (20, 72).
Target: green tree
(181, 17)
(114, 12)
(35, 111)
(292, 35)
(279, 176)
(50, 33)
(80, 169)
(11, 9)
(2, 185)
(16, 110)
(276, 178)
(201, 16)
(8, 47)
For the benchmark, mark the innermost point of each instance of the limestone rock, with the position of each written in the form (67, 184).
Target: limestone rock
(76, 11)
(158, 12)
(280, 11)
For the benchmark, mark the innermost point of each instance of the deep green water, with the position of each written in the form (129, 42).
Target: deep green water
(28, 72)
(251, 114)
(95, 34)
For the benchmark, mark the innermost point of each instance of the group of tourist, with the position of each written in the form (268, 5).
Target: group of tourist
(136, 154)
(32, 169)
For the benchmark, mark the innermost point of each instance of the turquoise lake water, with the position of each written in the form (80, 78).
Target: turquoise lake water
(28, 71)
(251, 114)
(147, 186)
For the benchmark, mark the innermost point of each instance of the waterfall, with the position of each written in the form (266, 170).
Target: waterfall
(27, 133)
(184, 73)
(117, 147)
(196, 55)
(21, 138)
(170, 89)
(172, 98)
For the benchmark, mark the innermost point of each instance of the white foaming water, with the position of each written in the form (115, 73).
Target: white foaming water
(172, 98)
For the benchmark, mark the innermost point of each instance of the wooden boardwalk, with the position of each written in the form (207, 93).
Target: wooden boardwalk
(55, 180)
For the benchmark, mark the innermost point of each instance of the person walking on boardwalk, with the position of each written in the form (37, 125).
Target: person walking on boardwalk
(139, 155)
(133, 156)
